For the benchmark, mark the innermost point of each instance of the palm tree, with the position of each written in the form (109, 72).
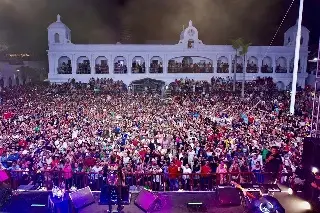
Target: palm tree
(236, 45)
(243, 52)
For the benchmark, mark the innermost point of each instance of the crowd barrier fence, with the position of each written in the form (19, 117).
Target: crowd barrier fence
(154, 181)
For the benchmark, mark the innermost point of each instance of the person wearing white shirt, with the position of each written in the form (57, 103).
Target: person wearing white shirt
(186, 170)
(156, 170)
(254, 160)
(191, 155)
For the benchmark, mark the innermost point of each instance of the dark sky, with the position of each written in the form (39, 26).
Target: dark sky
(23, 23)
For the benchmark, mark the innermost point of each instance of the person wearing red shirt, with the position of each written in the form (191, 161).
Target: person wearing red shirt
(22, 143)
(251, 119)
(177, 163)
(89, 161)
(173, 176)
(206, 180)
(55, 162)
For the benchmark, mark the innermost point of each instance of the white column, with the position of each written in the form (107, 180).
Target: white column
(111, 64)
(274, 63)
(93, 64)
(214, 63)
(230, 64)
(296, 60)
(55, 63)
(259, 63)
(74, 64)
(51, 58)
(147, 64)
(129, 64)
(165, 64)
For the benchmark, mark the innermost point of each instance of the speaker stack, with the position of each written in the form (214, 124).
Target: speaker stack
(228, 196)
(147, 201)
(311, 149)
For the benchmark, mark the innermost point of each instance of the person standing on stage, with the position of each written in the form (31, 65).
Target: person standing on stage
(273, 165)
(114, 181)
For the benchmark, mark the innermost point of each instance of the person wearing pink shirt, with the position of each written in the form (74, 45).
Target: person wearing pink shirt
(67, 174)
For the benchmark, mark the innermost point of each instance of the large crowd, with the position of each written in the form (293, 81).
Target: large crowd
(187, 66)
(200, 135)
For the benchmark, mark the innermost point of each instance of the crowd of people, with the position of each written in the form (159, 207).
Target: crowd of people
(84, 67)
(203, 134)
(239, 67)
(156, 67)
(222, 67)
(102, 68)
(266, 68)
(281, 69)
(65, 68)
(252, 67)
(189, 67)
(120, 68)
(138, 67)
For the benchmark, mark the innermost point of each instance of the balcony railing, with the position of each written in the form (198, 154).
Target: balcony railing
(266, 69)
(155, 69)
(281, 69)
(154, 181)
(136, 70)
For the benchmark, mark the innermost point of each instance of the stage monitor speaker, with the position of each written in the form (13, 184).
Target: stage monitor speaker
(26, 187)
(82, 198)
(311, 149)
(147, 201)
(228, 196)
(196, 207)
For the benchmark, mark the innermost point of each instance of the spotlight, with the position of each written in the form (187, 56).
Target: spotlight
(266, 207)
(306, 205)
(290, 191)
(314, 170)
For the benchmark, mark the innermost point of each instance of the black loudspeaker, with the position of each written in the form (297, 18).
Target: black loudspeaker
(147, 201)
(5, 194)
(311, 149)
(228, 196)
(26, 187)
(82, 198)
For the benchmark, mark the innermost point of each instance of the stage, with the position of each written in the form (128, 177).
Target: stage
(176, 202)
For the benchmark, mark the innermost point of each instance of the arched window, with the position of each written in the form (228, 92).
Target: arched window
(56, 38)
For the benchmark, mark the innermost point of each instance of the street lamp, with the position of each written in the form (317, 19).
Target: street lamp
(296, 60)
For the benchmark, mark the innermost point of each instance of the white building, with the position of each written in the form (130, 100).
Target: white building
(188, 58)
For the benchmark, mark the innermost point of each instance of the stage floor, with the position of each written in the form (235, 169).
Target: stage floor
(172, 202)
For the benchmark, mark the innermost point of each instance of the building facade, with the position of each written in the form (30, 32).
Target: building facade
(189, 58)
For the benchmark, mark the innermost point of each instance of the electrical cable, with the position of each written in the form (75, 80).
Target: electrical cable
(276, 33)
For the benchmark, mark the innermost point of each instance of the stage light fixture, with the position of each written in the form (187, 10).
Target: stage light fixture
(314, 170)
(265, 207)
(290, 191)
(306, 205)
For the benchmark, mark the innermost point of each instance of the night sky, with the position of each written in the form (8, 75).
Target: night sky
(23, 23)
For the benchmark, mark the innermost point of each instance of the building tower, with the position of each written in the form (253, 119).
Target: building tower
(58, 33)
